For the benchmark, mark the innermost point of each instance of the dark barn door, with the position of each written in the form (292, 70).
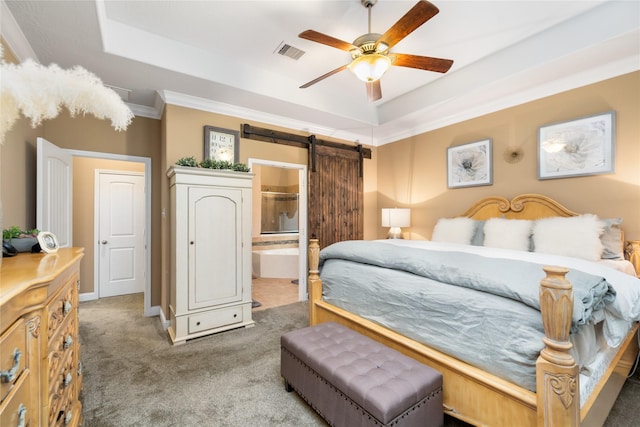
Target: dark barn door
(335, 195)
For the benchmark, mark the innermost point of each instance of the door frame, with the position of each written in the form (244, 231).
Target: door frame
(148, 311)
(302, 218)
(96, 221)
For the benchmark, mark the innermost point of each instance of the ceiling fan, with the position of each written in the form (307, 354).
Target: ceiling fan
(370, 52)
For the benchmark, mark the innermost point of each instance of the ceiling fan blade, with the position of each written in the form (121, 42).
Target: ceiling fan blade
(422, 62)
(415, 17)
(317, 37)
(324, 76)
(374, 91)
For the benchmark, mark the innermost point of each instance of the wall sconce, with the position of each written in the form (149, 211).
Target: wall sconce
(396, 218)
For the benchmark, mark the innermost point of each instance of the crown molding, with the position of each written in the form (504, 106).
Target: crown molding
(13, 35)
(189, 101)
(144, 111)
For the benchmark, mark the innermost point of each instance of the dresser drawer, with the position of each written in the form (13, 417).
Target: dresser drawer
(62, 306)
(16, 410)
(63, 391)
(13, 356)
(215, 319)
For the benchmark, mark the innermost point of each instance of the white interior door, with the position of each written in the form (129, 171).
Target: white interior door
(121, 248)
(54, 192)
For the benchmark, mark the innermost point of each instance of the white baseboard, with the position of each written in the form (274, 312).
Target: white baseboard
(153, 311)
(87, 296)
(163, 321)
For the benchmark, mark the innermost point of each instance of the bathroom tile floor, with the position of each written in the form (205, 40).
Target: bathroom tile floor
(273, 292)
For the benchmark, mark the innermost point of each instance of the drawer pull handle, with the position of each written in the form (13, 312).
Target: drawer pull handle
(68, 342)
(22, 415)
(79, 368)
(67, 307)
(10, 375)
(67, 417)
(67, 380)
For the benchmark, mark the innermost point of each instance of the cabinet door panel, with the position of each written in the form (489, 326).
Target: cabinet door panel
(215, 253)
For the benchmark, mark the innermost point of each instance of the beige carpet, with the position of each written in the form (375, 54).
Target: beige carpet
(134, 377)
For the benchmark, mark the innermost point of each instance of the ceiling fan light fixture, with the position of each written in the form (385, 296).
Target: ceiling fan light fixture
(370, 67)
(381, 47)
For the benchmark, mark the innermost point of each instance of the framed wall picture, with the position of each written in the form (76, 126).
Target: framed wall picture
(48, 242)
(470, 165)
(221, 144)
(579, 147)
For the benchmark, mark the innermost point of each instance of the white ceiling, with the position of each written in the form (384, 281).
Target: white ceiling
(220, 56)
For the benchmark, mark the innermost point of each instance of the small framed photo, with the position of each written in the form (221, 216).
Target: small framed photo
(470, 165)
(579, 147)
(48, 242)
(221, 144)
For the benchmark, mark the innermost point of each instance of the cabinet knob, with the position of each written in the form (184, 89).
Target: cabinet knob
(67, 380)
(10, 375)
(68, 417)
(22, 415)
(192, 242)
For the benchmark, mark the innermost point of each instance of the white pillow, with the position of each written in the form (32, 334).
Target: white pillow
(454, 230)
(507, 233)
(611, 239)
(577, 236)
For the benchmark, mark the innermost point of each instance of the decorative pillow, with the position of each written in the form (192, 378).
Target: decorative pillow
(507, 233)
(454, 230)
(577, 236)
(478, 234)
(611, 239)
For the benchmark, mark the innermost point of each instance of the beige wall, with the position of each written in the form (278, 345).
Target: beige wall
(412, 172)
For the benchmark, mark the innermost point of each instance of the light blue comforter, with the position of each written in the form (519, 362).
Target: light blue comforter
(484, 311)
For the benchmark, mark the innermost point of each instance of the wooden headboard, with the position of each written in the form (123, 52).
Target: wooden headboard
(525, 206)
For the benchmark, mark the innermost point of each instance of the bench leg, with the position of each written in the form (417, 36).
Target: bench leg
(287, 386)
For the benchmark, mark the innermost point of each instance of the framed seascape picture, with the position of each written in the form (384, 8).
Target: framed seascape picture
(470, 164)
(584, 146)
(221, 144)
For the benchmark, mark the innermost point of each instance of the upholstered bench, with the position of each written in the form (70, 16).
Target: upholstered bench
(352, 380)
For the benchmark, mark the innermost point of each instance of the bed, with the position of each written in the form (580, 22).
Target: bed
(554, 389)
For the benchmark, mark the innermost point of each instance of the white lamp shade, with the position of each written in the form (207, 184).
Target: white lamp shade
(396, 217)
(370, 67)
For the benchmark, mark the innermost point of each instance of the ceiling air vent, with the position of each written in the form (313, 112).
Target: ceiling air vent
(289, 51)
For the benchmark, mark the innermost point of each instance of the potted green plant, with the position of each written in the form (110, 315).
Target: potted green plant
(212, 164)
(22, 240)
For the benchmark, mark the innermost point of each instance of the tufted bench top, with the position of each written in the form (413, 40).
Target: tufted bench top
(381, 380)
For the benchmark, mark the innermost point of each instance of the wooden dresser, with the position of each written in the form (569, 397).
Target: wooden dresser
(40, 372)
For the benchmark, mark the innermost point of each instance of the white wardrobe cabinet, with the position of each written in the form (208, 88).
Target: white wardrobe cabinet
(210, 251)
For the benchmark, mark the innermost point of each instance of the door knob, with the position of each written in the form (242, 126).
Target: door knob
(104, 242)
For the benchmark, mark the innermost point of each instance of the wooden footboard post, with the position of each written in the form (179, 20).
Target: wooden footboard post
(314, 283)
(557, 380)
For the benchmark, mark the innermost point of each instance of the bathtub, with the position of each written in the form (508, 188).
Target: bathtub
(275, 263)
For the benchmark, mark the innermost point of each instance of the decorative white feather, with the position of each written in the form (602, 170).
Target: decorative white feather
(39, 93)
